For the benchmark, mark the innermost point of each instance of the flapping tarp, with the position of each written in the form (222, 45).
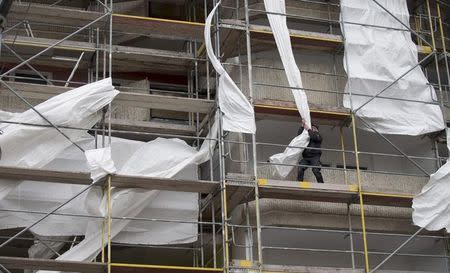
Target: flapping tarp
(277, 21)
(380, 55)
(237, 112)
(33, 146)
(45, 148)
(431, 208)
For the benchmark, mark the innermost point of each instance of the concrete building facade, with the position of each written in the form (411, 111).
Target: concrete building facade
(250, 219)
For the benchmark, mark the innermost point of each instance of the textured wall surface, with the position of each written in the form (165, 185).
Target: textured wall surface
(322, 90)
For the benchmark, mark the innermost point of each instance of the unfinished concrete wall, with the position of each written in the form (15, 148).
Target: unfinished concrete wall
(237, 154)
(130, 112)
(322, 88)
(377, 182)
(281, 132)
(10, 103)
(379, 177)
(136, 7)
(396, 222)
(302, 14)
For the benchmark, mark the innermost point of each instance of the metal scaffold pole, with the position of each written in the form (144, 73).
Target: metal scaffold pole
(444, 46)
(360, 195)
(109, 221)
(435, 53)
(223, 186)
(223, 197)
(254, 155)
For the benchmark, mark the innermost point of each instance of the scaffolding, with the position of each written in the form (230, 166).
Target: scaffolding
(93, 39)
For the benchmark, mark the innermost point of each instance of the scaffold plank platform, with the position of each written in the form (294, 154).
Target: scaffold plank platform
(52, 265)
(288, 108)
(136, 58)
(279, 189)
(176, 29)
(141, 268)
(274, 189)
(124, 181)
(173, 103)
(336, 193)
(145, 130)
(95, 267)
(303, 39)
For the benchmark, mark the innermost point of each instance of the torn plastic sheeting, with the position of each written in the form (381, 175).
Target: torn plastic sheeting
(174, 156)
(283, 40)
(41, 247)
(375, 57)
(33, 146)
(35, 196)
(100, 162)
(126, 203)
(238, 113)
(291, 155)
(431, 208)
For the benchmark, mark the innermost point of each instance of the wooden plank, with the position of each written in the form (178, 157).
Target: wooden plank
(157, 27)
(278, 189)
(173, 29)
(172, 103)
(288, 108)
(169, 184)
(337, 193)
(275, 189)
(300, 38)
(386, 199)
(42, 43)
(53, 265)
(141, 268)
(138, 130)
(56, 15)
(125, 181)
(127, 53)
(181, 104)
(45, 175)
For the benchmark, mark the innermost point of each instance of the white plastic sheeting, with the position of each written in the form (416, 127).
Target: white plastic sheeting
(36, 196)
(100, 162)
(431, 208)
(45, 247)
(237, 112)
(291, 155)
(283, 41)
(158, 158)
(375, 57)
(174, 158)
(33, 146)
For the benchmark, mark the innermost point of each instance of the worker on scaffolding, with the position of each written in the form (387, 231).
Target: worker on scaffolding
(311, 157)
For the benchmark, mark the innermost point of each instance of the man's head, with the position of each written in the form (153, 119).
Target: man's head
(314, 127)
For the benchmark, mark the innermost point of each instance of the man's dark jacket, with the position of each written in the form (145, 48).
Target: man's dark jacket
(315, 141)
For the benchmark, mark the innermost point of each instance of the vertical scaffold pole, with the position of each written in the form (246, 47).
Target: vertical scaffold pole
(444, 46)
(344, 161)
(436, 58)
(104, 224)
(109, 223)
(110, 49)
(361, 202)
(255, 165)
(223, 196)
(350, 234)
(223, 187)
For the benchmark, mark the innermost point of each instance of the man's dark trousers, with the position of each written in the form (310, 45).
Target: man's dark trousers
(315, 163)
